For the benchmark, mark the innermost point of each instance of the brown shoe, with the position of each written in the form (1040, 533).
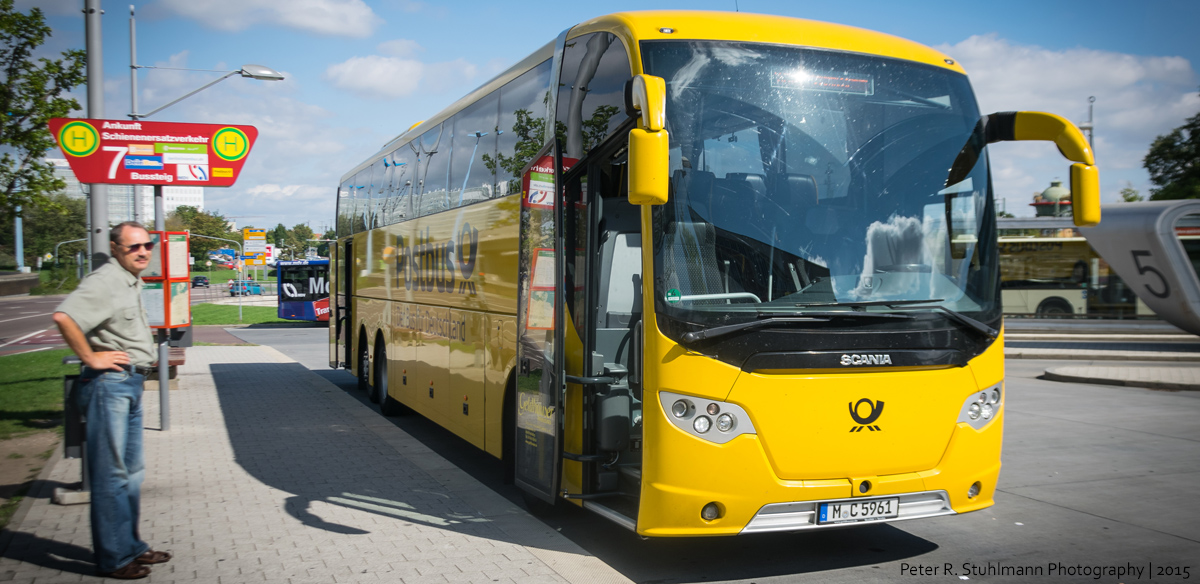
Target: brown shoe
(130, 571)
(153, 557)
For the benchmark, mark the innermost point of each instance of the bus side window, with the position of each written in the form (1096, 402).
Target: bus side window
(376, 193)
(403, 167)
(359, 196)
(591, 96)
(474, 137)
(521, 127)
(345, 209)
(435, 163)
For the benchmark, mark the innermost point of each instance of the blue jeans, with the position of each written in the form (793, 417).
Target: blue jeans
(112, 402)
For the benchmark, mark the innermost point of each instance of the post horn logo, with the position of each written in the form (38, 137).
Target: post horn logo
(876, 410)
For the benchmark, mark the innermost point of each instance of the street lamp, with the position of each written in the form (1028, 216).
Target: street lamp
(248, 71)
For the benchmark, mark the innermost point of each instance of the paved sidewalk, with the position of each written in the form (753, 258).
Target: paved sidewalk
(1178, 378)
(271, 474)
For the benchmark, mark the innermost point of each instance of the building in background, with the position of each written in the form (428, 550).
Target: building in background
(123, 205)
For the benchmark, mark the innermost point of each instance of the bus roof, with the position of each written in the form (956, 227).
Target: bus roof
(634, 27)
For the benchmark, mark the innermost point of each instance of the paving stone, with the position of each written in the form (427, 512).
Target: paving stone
(271, 474)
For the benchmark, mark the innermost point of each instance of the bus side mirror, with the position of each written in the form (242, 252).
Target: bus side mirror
(649, 160)
(1085, 178)
(1013, 126)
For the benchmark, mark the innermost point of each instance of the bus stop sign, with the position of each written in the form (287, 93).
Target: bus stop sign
(153, 153)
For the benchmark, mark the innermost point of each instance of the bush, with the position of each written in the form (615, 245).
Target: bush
(56, 280)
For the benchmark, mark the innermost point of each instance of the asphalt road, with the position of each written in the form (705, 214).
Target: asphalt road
(26, 325)
(1094, 477)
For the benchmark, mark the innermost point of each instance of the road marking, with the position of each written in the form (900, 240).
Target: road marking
(23, 338)
(30, 316)
(32, 351)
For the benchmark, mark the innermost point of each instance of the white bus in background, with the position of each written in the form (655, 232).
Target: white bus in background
(1057, 277)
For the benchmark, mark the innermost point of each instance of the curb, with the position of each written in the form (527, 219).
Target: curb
(1053, 375)
(1060, 355)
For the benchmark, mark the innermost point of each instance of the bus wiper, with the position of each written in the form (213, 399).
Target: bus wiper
(887, 303)
(778, 319)
(961, 318)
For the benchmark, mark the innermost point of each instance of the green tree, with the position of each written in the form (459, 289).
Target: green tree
(188, 218)
(60, 218)
(298, 239)
(1174, 163)
(278, 236)
(1131, 195)
(33, 93)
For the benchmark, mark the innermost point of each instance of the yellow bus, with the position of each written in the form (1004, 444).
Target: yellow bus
(701, 273)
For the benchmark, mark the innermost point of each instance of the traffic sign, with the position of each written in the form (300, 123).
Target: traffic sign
(153, 153)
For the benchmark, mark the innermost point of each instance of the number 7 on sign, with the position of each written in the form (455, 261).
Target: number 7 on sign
(120, 150)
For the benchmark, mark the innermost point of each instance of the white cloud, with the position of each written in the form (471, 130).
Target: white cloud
(349, 18)
(1137, 99)
(400, 48)
(376, 76)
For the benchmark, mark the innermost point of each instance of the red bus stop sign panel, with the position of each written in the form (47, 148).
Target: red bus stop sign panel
(153, 153)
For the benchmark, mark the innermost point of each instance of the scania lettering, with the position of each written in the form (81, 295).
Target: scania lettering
(671, 266)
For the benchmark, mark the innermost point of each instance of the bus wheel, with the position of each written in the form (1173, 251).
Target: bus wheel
(379, 387)
(364, 365)
(1054, 308)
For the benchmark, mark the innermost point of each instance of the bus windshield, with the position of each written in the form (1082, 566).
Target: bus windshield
(803, 179)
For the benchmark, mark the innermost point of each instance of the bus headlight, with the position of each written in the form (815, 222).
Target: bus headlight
(682, 410)
(981, 407)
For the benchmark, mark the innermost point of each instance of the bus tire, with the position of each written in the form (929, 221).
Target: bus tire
(379, 379)
(363, 367)
(1054, 308)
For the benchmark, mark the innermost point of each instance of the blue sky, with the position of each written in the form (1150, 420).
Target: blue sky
(359, 73)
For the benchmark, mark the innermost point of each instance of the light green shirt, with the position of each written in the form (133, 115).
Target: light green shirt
(107, 306)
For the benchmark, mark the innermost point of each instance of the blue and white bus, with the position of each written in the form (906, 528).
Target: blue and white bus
(303, 289)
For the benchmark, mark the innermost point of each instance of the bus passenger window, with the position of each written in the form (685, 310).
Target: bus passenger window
(434, 164)
(402, 167)
(474, 138)
(520, 129)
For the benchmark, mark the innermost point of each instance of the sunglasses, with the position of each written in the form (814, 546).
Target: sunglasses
(149, 245)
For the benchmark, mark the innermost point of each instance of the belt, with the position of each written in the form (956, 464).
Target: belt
(138, 369)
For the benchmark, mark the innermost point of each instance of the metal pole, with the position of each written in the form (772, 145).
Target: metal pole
(19, 240)
(133, 67)
(98, 234)
(164, 349)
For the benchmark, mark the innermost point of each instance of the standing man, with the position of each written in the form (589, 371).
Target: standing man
(104, 324)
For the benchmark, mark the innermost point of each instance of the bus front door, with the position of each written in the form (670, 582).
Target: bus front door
(538, 403)
(342, 284)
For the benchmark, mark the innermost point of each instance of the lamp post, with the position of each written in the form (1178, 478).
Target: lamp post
(248, 71)
(160, 217)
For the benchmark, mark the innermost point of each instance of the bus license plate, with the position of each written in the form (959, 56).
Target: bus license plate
(853, 511)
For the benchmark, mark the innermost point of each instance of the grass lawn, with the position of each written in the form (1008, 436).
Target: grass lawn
(31, 401)
(31, 392)
(228, 314)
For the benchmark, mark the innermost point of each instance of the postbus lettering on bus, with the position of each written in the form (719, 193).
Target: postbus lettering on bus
(430, 265)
